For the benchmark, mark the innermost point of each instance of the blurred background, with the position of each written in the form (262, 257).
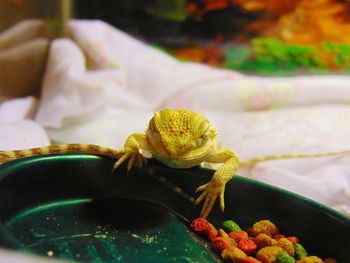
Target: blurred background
(54, 13)
(253, 36)
(265, 37)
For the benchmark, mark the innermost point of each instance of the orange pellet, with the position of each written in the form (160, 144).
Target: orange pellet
(247, 246)
(250, 260)
(221, 243)
(212, 232)
(239, 235)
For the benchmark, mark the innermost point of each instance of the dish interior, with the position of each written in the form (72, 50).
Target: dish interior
(73, 207)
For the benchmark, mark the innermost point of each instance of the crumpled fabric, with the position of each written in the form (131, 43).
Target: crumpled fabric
(101, 84)
(18, 130)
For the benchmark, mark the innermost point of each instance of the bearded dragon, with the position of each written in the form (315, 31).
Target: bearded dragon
(178, 139)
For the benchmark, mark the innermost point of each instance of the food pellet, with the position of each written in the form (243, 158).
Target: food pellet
(222, 233)
(233, 254)
(239, 235)
(300, 251)
(284, 257)
(222, 243)
(286, 245)
(263, 240)
(261, 243)
(310, 259)
(247, 246)
(231, 226)
(294, 240)
(265, 227)
(212, 232)
(250, 260)
(202, 226)
(278, 236)
(268, 254)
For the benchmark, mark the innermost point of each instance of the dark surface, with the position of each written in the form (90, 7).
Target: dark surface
(133, 18)
(71, 206)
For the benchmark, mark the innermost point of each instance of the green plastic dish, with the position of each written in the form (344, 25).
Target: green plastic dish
(72, 207)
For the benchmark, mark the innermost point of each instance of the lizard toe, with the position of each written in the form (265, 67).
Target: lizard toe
(211, 192)
(141, 160)
(202, 187)
(124, 157)
(131, 161)
(208, 205)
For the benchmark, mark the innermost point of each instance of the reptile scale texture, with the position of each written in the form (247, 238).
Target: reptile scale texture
(178, 138)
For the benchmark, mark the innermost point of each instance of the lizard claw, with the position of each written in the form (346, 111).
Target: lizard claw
(131, 156)
(211, 192)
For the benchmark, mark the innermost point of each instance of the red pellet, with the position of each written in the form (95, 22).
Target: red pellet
(247, 246)
(239, 235)
(293, 239)
(221, 243)
(200, 225)
(278, 236)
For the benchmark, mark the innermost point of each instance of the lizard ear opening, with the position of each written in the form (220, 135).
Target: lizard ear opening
(207, 130)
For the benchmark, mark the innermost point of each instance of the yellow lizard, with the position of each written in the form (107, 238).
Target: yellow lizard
(177, 138)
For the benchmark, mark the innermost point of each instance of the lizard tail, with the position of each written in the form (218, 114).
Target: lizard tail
(6, 156)
(253, 161)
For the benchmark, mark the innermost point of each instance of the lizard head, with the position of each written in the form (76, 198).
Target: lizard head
(176, 132)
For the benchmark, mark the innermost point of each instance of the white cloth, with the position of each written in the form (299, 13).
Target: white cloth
(101, 85)
(17, 109)
(17, 130)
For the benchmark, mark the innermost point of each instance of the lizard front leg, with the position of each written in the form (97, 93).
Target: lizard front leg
(216, 187)
(131, 151)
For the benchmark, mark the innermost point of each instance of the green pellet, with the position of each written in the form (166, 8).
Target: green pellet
(300, 251)
(284, 257)
(231, 226)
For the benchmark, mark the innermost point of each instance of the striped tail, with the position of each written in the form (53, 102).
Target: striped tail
(251, 162)
(6, 156)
